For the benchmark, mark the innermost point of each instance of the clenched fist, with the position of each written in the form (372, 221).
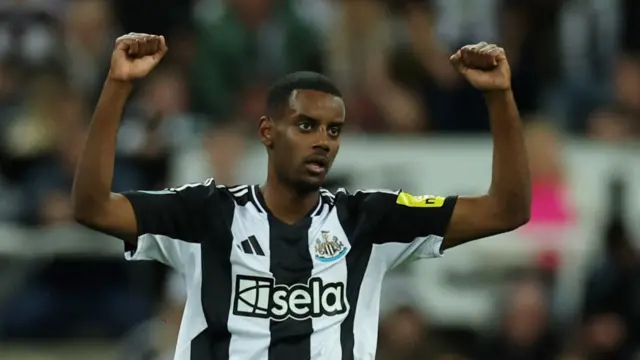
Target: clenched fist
(135, 55)
(484, 65)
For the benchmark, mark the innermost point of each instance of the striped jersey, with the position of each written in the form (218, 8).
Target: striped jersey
(262, 289)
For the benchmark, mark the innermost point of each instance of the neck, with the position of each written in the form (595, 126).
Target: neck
(285, 203)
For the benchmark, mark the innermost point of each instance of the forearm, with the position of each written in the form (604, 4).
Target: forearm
(94, 174)
(511, 182)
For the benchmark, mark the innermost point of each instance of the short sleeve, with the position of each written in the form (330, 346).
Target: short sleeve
(171, 222)
(413, 227)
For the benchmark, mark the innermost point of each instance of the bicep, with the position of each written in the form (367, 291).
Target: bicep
(116, 218)
(474, 218)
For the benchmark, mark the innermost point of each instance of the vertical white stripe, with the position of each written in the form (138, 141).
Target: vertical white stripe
(367, 311)
(250, 335)
(193, 320)
(325, 339)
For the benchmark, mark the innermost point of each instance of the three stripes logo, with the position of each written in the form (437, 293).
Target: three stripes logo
(237, 191)
(251, 246)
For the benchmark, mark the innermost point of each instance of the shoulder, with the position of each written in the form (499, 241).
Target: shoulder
(186, 194)
(365, 194)
(208, 195)
(237, 194)
(365, 198)
(203, 189)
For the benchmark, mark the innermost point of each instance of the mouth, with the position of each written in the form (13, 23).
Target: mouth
(317, 165)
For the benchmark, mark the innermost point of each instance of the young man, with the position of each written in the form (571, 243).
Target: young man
(288, 270)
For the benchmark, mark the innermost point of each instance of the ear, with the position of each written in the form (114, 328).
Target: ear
(265, 128)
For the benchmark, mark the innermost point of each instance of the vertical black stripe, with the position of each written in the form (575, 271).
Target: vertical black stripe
(246, 247)
(213, 342)
(290, 264)
(357, 261)
(256, 245)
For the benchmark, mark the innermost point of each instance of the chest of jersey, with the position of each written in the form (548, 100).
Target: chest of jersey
(289, 272)
(270, 290)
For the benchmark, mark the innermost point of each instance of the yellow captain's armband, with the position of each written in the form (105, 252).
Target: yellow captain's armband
(424, 201)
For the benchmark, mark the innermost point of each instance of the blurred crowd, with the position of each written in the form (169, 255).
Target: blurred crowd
(575, 64)
(576, 70)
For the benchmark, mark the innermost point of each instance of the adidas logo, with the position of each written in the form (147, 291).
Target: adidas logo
(251, 246)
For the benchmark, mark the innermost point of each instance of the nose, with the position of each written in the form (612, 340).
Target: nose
(322, 140)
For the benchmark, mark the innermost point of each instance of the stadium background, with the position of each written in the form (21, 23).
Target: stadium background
(567, 286)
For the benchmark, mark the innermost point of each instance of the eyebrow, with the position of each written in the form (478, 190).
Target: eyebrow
(304, 117)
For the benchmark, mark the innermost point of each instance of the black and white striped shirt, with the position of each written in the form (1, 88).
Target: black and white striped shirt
(260, 289)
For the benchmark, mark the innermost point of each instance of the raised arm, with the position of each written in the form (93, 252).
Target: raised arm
(94, 205)
(507, 204)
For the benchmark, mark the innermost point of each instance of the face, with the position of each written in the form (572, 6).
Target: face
(303, 143)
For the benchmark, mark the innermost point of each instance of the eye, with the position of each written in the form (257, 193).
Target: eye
(305, 126)
(334, 131)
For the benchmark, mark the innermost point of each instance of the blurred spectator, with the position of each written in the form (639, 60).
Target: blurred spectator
(357, 57)
(10, 91)
(627, 81)
(551, 204)
(225, 148)
(10, 209)
(612, 300)
(241, 48)
(630, 13)
(430, 35)
(74, 298)
(588, 41)
(529, 34)
(552, 208)
(10, 76)
(88, 41)
(31, 130)
(614, 124)
(48, 181)
(628, 69)
(525, 331)
(403, 335)
(30, 30)
(420, 60)
(156, 123)
(321, 14)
